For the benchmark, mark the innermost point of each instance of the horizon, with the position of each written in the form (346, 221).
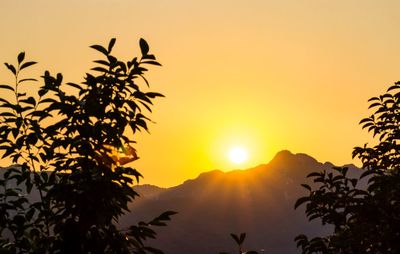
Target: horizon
(262, 75)
(250, 168)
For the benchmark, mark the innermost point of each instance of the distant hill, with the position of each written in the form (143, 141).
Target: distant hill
(258, 201)
(148, 190)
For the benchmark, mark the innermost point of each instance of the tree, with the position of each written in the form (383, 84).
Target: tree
(72, 150)
(364, 220)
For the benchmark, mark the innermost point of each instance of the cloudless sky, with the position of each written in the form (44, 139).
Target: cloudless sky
(265, 75)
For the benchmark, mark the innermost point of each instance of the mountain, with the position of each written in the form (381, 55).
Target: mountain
(258, 201)
(148, 191)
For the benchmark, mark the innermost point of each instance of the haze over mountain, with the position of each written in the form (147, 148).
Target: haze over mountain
(258, 201)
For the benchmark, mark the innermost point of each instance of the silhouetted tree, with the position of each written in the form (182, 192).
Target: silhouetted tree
(72, 149)
(364, 220)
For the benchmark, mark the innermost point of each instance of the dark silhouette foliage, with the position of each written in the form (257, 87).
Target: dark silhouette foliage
(72, 149)
(365, 220)
(239, 239)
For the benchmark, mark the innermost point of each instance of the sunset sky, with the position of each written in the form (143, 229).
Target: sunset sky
(264, 75)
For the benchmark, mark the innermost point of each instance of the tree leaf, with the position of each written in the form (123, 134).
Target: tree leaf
(236, 238)
(27, 64)
(100, 69)
(242, 238)
(7, 87)
(154, 95)
(300, 201)
(27, 79)
(144, 47)
(30, 100)
(313, 174)
(152, 63)
(100, 49)
(21, 57)
(74, 85)
(306, 186)
(111, 45)
(11, 68)
(149, 56)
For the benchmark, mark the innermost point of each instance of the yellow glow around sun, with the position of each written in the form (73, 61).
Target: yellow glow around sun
(237, 155)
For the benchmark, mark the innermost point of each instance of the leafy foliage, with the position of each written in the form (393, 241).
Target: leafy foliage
(364, 220)
(72, 150)
(239, 239)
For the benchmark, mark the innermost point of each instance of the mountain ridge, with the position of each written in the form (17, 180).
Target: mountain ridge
(259, 201)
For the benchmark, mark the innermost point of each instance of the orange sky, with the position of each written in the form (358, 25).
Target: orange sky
(265, 75)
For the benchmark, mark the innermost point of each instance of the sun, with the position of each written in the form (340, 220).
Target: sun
(237, 155)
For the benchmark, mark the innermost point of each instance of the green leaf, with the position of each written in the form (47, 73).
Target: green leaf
(27, 64)
(100, 69)
(236, 238)
(7, 87)
(149, 56)
(300, 201)
(8, 152)
(306, 186)
(314, 174)
(45, 176)
(144, 47)
(7, 114)
(152, 63)
(165, 216)
(344, 170)
(30, 214)
(21, 57)
(154, 95)
(47, 100)
(19, 220)
(74, 85)
(367, 173)
(27, 79)
(374, 105)
(354, 182)
(11, 68)
(11, 193)
(394, 87)
(102, 62)
(28, 185)
(42, 92)
(100, 49)
(242, 238)
(111, 45)
(4, 101)
(30, 100)
(32, 139)
(366, 120)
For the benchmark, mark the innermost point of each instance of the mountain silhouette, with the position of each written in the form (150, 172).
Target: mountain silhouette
(258, 201)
